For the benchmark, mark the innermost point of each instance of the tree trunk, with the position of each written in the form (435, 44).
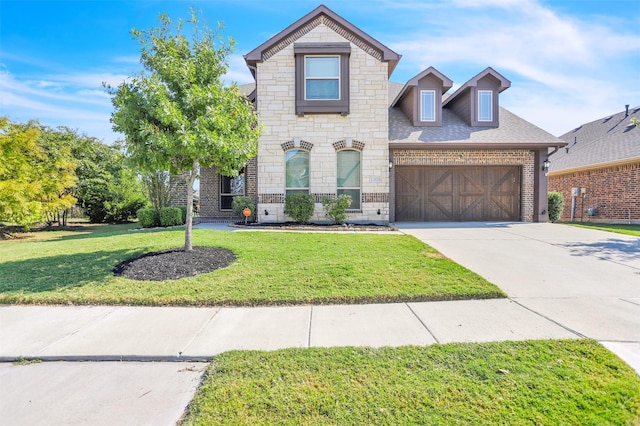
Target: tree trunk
(188, 240)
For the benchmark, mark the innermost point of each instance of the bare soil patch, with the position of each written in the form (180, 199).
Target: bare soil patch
(175, 263)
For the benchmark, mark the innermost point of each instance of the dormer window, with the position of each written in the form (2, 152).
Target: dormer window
(428, 105)
(485, 105)
(322, 78)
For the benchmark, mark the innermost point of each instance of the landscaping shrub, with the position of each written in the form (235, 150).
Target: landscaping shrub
(299, 207)
(170, 216)
(336, 208)
(243, 202)
(183, 209)
(556, 204)
(148, 218)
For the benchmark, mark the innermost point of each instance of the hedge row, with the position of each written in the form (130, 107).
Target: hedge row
(166, 216)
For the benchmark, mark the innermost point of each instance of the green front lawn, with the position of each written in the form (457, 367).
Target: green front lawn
(271, 268)
(571, 382)
(617, 228)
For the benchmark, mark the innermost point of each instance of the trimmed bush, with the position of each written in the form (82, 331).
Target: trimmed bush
(184, 214)
(243, 202)
(336, 208)
(299, 207)
(555, 205)
(148, 218)
(170, 216)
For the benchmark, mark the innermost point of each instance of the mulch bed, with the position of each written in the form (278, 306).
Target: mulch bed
(295, 226)
(175, 263)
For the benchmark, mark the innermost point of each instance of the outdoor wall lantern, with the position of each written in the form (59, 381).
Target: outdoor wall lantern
(545, 167)
(266, 212)
(390, 165)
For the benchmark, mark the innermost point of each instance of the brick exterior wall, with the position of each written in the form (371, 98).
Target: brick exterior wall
(178, 186)
(210, 191)
(366, 124)
(613, 191)
(460, 157)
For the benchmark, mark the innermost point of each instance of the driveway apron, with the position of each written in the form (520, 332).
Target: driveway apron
(587, 281)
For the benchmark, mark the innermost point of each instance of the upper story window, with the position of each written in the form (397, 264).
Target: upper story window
(297, 171)
(427, 105)
(322, 78)
(485, 105)
(231, 187)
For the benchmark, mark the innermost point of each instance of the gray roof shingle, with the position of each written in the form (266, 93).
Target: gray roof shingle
(604, 141)
(512, 130)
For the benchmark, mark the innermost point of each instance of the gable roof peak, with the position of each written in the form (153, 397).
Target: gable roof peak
(321, 15)
(473, 82)
(504, 82)
(447, 83)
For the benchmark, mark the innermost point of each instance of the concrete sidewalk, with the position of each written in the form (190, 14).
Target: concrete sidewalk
(198, 334)
(121, 389)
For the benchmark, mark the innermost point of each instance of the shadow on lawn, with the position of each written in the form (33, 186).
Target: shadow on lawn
(62, 271)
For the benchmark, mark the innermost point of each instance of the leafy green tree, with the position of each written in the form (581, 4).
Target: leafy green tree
(107, 190)
(178, 115)
(36, 173)
(158, 187)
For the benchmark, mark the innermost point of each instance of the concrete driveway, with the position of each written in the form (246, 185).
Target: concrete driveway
(586, 280)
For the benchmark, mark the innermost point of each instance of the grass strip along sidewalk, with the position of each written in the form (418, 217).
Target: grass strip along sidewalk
(609, 227)
(270, 268)
(570, 382)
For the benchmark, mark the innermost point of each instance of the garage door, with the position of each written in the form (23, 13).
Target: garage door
(457, 194)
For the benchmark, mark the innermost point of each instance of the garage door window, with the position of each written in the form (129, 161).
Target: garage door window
(349, 176)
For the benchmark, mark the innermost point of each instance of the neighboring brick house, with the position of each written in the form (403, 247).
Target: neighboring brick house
(603, 157)
(333, 123)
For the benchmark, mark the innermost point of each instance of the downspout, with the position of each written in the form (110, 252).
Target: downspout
(553, 152)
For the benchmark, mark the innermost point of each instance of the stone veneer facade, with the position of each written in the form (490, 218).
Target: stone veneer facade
(365, 127)
(461, 157)
(613, 191)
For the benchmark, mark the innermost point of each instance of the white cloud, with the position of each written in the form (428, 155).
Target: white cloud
(238, 71)
(578, 63)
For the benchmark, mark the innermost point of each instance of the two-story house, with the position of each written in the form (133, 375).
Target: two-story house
(334, 124)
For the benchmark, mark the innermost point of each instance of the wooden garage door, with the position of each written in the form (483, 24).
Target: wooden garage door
(457, 194)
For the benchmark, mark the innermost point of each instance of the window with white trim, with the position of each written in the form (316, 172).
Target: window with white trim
(427, 105)
(231, 187)
(322, 78)
(297, 171)
(349, 176)
(485, 105)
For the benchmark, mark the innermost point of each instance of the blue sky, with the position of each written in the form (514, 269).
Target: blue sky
(569, 61)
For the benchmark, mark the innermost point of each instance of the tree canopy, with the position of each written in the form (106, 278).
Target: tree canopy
(177, 114)
(36, 173)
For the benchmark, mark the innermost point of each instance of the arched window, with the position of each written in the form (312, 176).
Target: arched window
(297, 171)
(349, 176)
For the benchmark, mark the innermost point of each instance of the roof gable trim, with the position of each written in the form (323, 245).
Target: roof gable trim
(447, 83)
(318, 16)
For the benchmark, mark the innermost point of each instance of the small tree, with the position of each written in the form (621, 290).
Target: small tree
(336, 208)
(555, 205)
(180, 116)
(158, 187)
